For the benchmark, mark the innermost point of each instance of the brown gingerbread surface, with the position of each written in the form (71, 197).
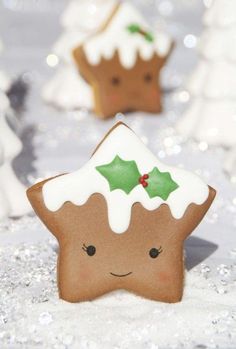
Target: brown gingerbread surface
(117, 89)
(83, 277)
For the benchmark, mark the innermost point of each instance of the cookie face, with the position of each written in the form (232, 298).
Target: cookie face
(122, 64)
(93, 260)
(120, 90)
(146, 261)
(124, 233)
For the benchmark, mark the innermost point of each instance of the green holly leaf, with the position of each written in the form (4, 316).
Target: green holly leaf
(160, 184)
(120, 174)
(133, 28)
(149, 37)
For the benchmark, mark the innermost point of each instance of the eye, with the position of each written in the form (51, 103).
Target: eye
(115, 80)
(90, 250)
(147, 77)
(154, 252)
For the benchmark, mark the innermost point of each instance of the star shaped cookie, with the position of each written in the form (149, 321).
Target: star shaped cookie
(113, 236)
(122, 63)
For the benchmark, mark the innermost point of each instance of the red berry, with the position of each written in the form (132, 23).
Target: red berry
(141, 180)
(146, 176)
(145, 184)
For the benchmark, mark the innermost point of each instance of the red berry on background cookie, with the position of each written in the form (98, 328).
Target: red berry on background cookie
(121, 234)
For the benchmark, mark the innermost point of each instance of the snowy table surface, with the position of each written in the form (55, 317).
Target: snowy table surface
(54, 142)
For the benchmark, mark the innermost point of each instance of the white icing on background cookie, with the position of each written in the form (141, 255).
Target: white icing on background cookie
(117, 37)
(78, 186)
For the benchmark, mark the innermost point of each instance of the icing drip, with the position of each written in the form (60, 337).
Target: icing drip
(78, 186)
(117, 37)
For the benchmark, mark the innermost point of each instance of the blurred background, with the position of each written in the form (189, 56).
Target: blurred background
(31, 32)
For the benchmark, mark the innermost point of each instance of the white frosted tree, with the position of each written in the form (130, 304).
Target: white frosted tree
(230, 164)
(67, 89)
(211, 116)
(13, 201)
(4, 79)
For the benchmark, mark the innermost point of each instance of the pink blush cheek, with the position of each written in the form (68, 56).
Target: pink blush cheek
(113, 98)
(154, 94)
(163, 276)
(85, 272)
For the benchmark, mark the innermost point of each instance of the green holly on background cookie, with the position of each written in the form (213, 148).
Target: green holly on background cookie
(122, 64)
(121, 221)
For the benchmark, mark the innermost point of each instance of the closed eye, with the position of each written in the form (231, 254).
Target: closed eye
(90, 250)
(148, 77)
(155, 252)
(115, 80)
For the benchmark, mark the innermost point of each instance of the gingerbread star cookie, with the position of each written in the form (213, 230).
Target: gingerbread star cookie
(121, 221)
(122, 64)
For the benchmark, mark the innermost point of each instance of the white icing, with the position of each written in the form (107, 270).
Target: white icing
(221, 13)
(218, 44)
(87, 15)
(13, 201)
(68, 90)
(77, 187)
(117, 37)
(211, 121)
(213, 80)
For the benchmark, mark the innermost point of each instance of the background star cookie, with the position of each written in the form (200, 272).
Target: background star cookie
(122, 63)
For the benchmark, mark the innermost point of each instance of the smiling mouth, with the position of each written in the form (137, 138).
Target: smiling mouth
(121, 275)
